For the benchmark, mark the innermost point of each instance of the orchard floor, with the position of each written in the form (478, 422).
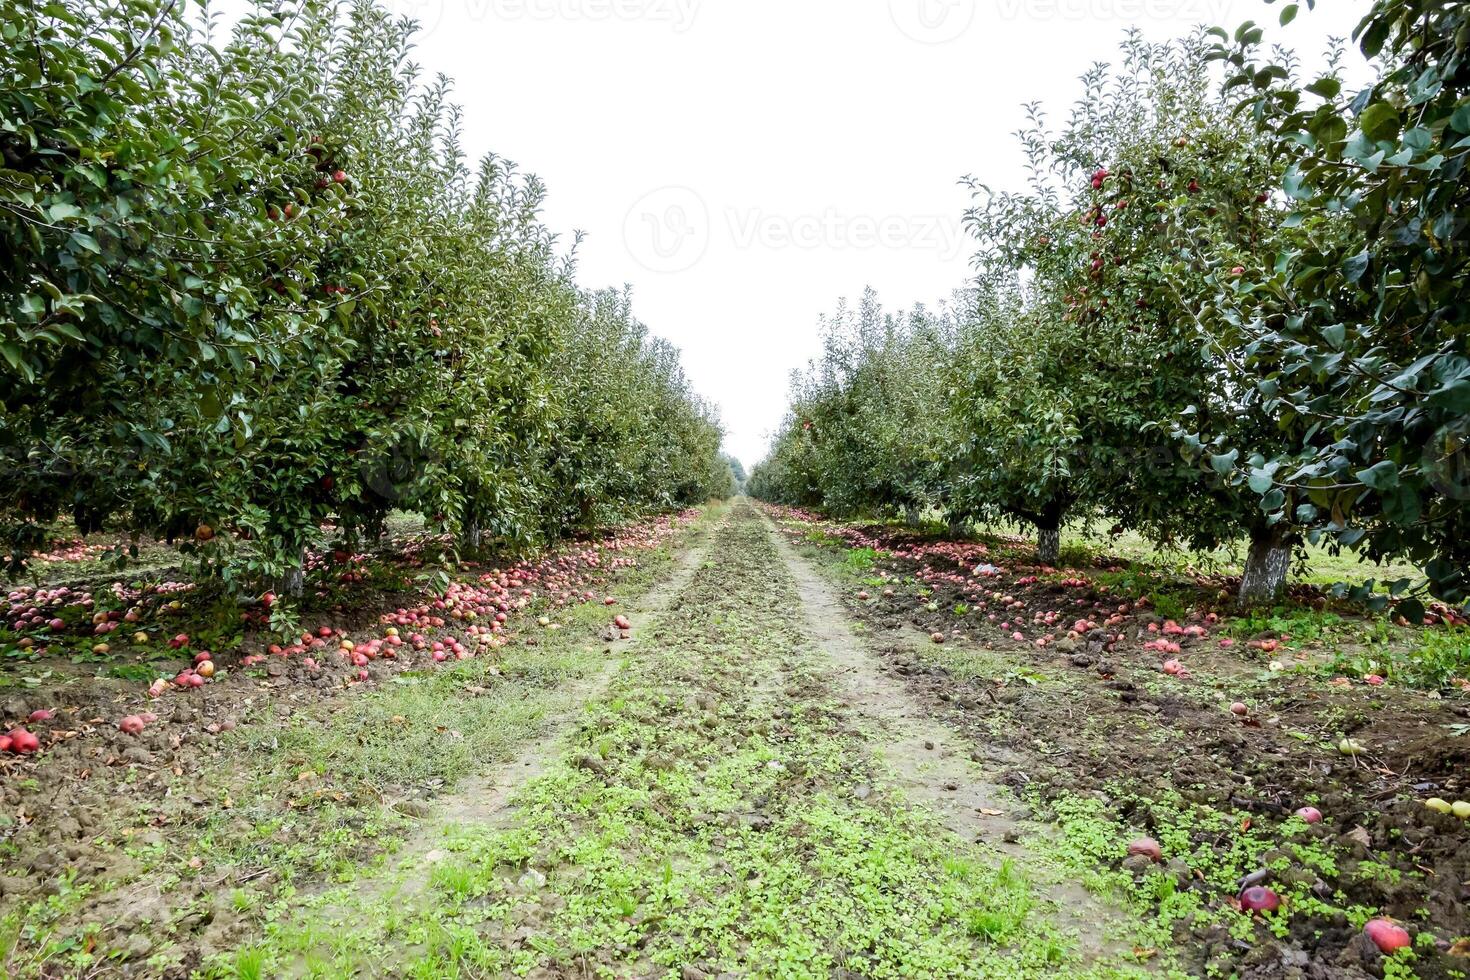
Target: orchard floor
(780, 775)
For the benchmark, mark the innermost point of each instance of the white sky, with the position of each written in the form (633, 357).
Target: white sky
(745, 163)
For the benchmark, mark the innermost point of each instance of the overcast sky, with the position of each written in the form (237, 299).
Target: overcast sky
(745, 163)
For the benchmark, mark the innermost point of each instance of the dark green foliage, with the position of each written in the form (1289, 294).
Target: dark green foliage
(254, 285)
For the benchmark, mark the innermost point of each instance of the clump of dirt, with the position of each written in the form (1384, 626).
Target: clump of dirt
(1072, 699)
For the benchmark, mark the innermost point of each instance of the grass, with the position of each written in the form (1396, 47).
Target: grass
(1084, 543)
(705, 815)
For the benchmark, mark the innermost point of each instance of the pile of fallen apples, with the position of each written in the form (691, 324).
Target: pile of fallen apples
(479, 610)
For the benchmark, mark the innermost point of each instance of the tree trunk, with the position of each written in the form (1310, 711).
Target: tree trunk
(956, 526)
(293, 583)
(1049, 533)
(911, 516)
(1048, 545)
(1266, 565)
(469, 536)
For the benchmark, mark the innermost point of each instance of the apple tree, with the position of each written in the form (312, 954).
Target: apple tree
(1357, 328)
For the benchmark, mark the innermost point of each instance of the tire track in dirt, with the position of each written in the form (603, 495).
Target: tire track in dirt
(484, 800)
(930, 762)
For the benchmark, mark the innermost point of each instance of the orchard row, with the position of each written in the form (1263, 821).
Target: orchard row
(252, 285)
(1231, 306)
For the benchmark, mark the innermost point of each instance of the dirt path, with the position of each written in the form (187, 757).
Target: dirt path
(928, 760)
(727, 805)
(931, 762)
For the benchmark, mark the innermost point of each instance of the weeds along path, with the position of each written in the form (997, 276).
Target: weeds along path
(720, 811)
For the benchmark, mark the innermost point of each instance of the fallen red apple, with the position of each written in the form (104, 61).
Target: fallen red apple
(132, 725)
(1310, 814)
(1239, 708)
(23, 742)
(40, 714)
(1386, 934)
(1148, 847)
(1259, 898)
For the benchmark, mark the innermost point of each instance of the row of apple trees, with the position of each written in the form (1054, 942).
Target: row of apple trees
(1230, 307)
(250, 285)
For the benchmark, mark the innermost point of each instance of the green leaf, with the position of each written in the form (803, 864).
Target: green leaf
(1401, 505)
(1288, 14)
(1326, 87)
(86, 241)
(1380, 476)
(12, 355)
(58, 213)
(1460, 118)
(1380, 122)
